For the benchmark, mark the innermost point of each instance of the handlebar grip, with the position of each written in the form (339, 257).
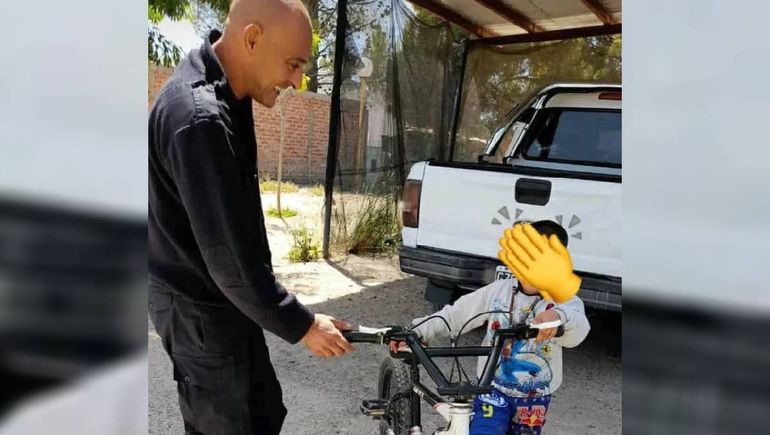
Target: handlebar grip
(362, 337)
(532, 332)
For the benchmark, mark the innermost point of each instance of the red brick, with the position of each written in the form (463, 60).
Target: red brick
(267, 126)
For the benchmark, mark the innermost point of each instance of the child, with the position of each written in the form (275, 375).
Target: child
(529, 371)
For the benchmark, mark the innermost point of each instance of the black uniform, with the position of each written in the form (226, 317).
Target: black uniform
(212, 287)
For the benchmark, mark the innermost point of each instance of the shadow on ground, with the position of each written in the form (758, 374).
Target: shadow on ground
(323, 396)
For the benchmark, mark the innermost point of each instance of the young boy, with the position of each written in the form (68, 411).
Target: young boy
(530, 370)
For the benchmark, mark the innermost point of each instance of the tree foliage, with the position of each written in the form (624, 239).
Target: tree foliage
(497, 78)
(205, 15)
(160, 49)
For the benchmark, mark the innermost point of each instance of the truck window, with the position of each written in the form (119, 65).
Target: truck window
(578, 136)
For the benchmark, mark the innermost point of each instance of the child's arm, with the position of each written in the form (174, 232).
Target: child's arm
(458, 313)
(576, 326)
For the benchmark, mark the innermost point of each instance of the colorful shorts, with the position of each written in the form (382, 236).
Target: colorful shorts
(498, 414)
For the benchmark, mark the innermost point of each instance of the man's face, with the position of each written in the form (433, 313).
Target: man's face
(279, 61)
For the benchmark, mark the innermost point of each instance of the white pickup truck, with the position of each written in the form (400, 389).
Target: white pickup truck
(557, 157)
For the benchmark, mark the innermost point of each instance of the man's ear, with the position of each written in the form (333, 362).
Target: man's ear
(252, 36)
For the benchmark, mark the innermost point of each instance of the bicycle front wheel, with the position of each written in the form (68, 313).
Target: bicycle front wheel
(394, 379)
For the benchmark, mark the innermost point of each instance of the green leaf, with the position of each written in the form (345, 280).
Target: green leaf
(316, 43)
(154, 15)
(161, 50)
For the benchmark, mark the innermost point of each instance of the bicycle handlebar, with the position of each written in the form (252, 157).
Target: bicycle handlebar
(424, 356)
(398, 333)
(364, 337)
(376, 336)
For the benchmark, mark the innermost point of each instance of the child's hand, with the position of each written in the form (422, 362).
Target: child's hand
(546, 316)
(401, 346)
(396, 346)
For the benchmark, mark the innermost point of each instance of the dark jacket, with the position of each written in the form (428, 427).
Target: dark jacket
(207, 237)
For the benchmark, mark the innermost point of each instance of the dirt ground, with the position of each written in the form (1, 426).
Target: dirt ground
(323, 396)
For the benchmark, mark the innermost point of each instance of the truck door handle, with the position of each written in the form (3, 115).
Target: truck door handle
(531, 191)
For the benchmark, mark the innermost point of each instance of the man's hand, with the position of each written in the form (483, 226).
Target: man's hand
(543, 263)
(324, 338)
(549, 333)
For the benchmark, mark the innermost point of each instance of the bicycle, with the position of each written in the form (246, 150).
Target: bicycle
(399, 382)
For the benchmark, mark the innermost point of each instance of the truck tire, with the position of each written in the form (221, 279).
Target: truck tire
(437, 306)
(394, 378)
(457, 294)
(441, 294)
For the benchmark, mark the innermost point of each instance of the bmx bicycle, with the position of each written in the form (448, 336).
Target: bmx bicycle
(400, 391)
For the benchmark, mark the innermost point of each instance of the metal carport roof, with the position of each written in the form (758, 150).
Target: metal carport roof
(500, 18)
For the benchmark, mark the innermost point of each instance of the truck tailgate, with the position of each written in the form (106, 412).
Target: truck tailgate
(466, 210)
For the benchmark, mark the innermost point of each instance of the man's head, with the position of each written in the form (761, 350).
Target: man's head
(545, 228)
(264, 46)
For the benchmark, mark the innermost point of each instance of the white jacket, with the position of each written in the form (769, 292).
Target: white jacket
(525, 368)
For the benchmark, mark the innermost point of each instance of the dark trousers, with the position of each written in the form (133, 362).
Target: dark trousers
(225, 380)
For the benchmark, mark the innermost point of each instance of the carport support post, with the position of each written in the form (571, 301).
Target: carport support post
(331, 152)
(458, 101)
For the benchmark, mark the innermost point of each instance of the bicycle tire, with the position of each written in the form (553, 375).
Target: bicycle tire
(395, 378)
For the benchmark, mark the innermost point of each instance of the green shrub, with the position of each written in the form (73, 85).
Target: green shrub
(284, 213)
(304, 246)
(316, 190)
(270, 186)
(373, 228)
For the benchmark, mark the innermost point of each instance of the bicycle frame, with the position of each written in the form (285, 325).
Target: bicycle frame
(457, 411)
(457, 415)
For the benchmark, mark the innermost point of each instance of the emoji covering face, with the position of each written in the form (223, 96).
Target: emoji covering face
(539, 262)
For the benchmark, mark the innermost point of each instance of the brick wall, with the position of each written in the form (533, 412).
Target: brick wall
(157, 76)
(305, 142)
(307, 133)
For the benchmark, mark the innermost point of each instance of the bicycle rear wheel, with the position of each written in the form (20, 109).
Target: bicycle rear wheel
(394, 379)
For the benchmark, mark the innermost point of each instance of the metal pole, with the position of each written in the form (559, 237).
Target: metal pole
(310, 137)
(458, 101)
(360, 166)
(280, 153)
(331, 153)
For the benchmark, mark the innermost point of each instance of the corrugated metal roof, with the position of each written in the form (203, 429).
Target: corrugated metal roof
(515, 17)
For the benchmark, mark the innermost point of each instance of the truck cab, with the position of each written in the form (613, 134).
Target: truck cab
(557, 157)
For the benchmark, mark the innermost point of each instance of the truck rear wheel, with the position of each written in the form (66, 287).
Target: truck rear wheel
(437, 306)
(440, 294)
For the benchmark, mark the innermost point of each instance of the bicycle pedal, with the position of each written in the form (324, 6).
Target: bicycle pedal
(375, 408)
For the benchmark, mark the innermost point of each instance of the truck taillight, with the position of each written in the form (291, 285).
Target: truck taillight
(410, 205)
(616, 96)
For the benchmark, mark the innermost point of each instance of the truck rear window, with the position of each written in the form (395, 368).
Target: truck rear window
(579, 136)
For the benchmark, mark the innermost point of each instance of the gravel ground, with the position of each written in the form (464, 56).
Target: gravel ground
(323, 396)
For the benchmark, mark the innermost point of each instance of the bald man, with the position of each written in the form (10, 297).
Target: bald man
(212, 288)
